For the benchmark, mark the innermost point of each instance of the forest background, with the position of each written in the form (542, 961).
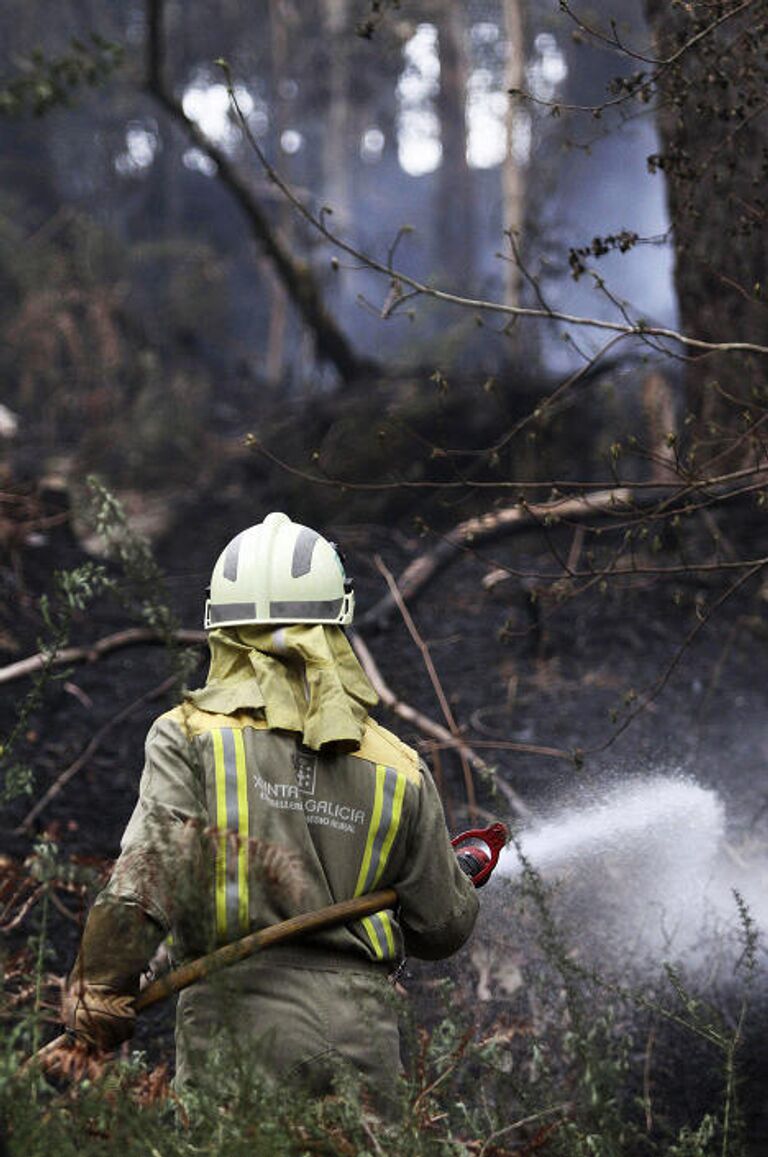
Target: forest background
(478, 289)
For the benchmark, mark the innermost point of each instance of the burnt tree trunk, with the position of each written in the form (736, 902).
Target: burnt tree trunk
(513, 172)
(454, 191)
(713, 122)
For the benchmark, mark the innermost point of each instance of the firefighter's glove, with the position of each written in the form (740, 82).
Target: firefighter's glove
(97, 1015)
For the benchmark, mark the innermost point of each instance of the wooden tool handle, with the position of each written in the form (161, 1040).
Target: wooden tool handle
(308, 922)
(304, 925)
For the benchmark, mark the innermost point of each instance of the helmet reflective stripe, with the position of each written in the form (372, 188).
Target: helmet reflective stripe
(231, 558)
(226, 612)
(301, 563)
(279, 572)
(319, 610)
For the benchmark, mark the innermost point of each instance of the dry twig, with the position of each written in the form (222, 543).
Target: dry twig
(69, 772)
(647, 1101)
(434, 678)
(563, 1108)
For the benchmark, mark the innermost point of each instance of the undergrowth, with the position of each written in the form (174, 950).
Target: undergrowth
(570, 1080)
(133, 579)
(565, 1073)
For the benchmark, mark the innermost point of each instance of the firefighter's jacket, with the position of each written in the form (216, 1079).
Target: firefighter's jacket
(240, 825)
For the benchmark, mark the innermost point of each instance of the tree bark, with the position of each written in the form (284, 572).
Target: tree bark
(713, 123)
(513, 174)
(454, 191)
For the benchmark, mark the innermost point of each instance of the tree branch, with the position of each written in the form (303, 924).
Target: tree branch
(434, 679)
(638, 329)
(488, 526)
(693, 495)
(295, 275)
(89, 750)
(131, 637)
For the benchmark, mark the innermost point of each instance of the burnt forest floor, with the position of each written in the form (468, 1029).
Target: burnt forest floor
(548, 670)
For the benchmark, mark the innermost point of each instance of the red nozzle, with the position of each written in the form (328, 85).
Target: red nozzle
(478, 851)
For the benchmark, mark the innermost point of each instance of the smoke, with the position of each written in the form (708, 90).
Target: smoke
(643, 871)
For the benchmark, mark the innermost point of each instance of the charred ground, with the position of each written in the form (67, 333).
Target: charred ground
(524, 660)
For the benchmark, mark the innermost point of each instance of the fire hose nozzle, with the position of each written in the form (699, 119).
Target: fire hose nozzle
(478, 851)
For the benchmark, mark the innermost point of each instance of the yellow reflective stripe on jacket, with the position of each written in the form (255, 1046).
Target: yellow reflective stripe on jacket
(379, 930)
(385, 820)
(221, 840)
(242, 833)
(373, 827)
(231, 866)
(394, 824)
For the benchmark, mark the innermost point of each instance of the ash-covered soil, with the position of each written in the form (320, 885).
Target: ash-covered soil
(519, 661)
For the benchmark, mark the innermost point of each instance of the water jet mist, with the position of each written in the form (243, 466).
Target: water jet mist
(644, 868)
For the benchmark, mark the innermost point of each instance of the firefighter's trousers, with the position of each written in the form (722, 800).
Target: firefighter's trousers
(299, 1015)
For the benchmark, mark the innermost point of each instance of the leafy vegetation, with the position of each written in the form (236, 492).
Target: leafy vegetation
(566, 1078)
(43, 82)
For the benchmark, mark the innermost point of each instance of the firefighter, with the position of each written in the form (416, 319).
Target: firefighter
(271, 792)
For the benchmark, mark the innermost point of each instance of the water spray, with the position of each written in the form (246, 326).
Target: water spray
(643, 867)
(635, 817)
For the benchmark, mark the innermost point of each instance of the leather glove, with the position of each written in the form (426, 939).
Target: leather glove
(98, 1008)
(97, 1015)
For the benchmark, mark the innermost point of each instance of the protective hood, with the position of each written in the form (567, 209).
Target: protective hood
(305, 678)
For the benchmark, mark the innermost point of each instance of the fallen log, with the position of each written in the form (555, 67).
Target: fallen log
(484, 528)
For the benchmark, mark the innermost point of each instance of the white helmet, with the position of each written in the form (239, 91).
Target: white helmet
(279, 572)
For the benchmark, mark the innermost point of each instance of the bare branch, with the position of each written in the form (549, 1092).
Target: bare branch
(90, 749)
(519, 486)
(643, 83)
(131, 637)
(638, 329)
(656, 688)
(434, 680)
(295, 275)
